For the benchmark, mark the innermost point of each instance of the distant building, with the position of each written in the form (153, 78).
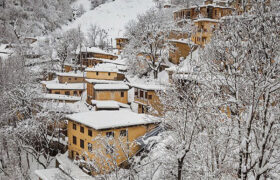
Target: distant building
(90, 56)
(115, 92)
(120, 44)
(71, 77)
(74, 89)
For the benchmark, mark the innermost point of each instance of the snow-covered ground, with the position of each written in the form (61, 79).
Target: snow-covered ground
(112, 16)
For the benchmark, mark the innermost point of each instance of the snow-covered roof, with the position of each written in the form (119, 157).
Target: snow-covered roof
(207, 19)
(109, 104)
(51, 174)
(55, 81)
(99, 81)
(93, 50)
(61, 97)
(111, 87)
(67, 165)
(100, 120)
(148, 87)
(72, 74)
(183, 41)
(75, 86)
(103, 68)
(188, 65)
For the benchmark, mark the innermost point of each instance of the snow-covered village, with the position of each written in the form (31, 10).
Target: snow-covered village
(139, 89)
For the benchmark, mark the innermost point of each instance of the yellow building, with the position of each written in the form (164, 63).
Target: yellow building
(212, 11)
(182, 48)
(92, 82)
(145, 96)
(204, 30)
(120, 44)
(71, 77)
(74, 89)
(105, 72)
(115, 92)
(106, 138)
(90, 56)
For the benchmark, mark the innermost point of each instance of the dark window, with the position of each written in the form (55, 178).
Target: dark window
(146, 95)
(75, 93)
(74, 126)
(122, 94)
(69, 79)
(141, 93)
(96, 73)
(82, 129)
(109, 149)
(109, 74)
(123, 133)
(57, 92)
(90, 132)
(67, 92)
(76, 78)
(110, 134)
(82, 145)
(74, 140)
(89, 147)
(136, 93)
(150, 97)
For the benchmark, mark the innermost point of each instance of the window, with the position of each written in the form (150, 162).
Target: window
(89, 147)
(136, 93)
(82, 145)
(110, 134)
(141, 94)
(75, 93)
(123, 133)
(109, 74)
(67, 92)
(74, 140)
(57, 92)
(96, 73)
(146, 95)
(109, 149)
(122, 94)
(203, 39)
(90, 132)
(150, 97)
(69, 79)
(74, 126)
(76, 78)
(82, 129)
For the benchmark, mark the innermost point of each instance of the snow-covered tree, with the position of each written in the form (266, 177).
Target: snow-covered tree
(147, 48)
(243, 63)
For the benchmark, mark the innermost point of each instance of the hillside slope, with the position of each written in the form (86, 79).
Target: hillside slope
(112, 16)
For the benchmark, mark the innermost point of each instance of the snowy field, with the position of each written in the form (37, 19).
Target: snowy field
(112, 16)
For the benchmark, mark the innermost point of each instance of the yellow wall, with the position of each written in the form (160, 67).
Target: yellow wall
(62, 92)
(133, 133)
(154, 102)
(102, 75)
(120, 43)
(204, 32)
(181, 50)
(111, 95)
(70, 79)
